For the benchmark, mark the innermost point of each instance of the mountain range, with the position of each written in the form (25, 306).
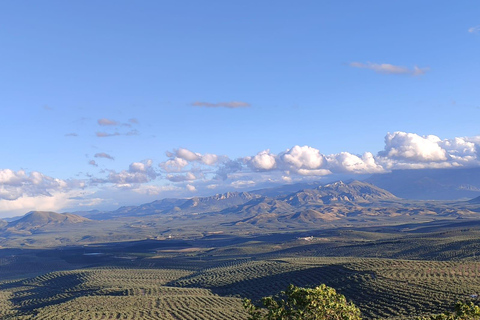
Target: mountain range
(331, 205)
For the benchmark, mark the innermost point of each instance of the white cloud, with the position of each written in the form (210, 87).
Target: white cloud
(263, 161)
(180, 177)
(414, 148)
(314, 172)
(460, 149)
(387, 68)
(350, 163)
(138, 172)
(187, 154)
(55, 201)
(209, 159)
(174, 165)
(191, 188)
(302, 157)
(16, 184)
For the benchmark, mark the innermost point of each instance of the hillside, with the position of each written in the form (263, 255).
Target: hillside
(475, 200)
(38, 220)
(173, 206)
(339, 192)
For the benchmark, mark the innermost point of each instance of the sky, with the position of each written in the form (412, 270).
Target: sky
(111, 103)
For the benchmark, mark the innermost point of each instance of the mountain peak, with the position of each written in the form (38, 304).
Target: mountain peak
(340, 192)
(34, 220)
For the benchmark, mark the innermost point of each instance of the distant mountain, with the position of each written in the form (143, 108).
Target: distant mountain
(353, 192)
(315, 206)
(36, 220)
(286, 189)
(213, 203)
(3, 223)
(217, 202)
(475, 200)
(261, 205)
(155, 207)
(311, 215)
(430, 184)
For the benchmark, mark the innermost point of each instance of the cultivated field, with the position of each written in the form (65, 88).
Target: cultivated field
(395, 272)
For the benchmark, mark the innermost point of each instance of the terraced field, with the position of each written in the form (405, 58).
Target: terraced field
(387, 275)
(112, 293)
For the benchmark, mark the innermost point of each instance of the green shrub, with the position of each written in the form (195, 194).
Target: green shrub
(318, 303)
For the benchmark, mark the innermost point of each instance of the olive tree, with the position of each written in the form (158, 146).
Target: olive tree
(317, 303)
(463, 311)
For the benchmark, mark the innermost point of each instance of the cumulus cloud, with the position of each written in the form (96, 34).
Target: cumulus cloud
(314, 172)
(174, 165)
(191, 188)
(461, 150)
(17, 184)
(107, 122)
(187, 154)
(230, 105)
(402, 150)
(387, 68)
(350, 163)
(138, 172)
(189, 176)
(182, 158)
(262, 161)
(302, 158)
(475, 29)
(412, 147)
(209, 159)
(227, 168)
(103, 155)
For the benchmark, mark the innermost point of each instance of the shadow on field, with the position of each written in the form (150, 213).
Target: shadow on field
(43, 291)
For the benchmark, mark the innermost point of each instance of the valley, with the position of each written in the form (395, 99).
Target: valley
(198, 258)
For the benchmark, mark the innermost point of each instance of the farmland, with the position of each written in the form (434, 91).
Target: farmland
(389, 272)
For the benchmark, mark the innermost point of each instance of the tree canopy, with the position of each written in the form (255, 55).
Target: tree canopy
(322, 302)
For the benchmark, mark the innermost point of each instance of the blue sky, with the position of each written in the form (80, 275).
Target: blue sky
(113, 102)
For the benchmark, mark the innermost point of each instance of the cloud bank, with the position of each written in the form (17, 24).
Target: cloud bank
(192, 172)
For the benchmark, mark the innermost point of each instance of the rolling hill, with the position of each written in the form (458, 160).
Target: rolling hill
(39, 220)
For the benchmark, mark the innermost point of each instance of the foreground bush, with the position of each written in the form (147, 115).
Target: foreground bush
(325, 303)
(463, 311)
(321, 302)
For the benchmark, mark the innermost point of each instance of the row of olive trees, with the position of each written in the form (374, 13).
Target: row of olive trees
(324, 303)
